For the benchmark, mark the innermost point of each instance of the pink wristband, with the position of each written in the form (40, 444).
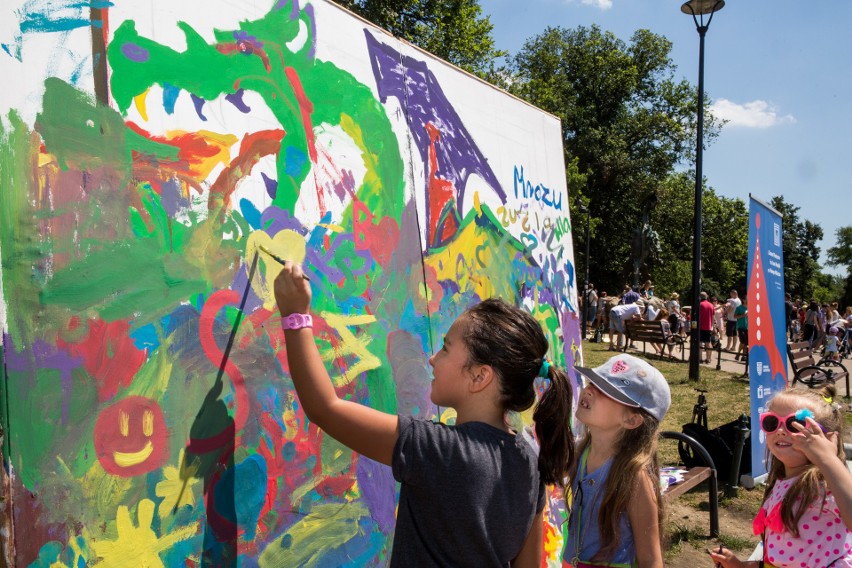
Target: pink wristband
(297, 321)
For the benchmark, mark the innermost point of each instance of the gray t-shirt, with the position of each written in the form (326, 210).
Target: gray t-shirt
(468, 496)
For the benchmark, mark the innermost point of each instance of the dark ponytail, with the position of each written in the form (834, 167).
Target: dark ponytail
(511, 341)
(552, 418)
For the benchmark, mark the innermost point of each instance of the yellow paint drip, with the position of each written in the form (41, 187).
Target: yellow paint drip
(141, 106)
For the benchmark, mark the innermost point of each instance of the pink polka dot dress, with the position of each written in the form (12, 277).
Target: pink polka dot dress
(823, 538)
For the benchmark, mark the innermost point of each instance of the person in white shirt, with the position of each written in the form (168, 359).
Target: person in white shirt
(617, 316)
(731, 324)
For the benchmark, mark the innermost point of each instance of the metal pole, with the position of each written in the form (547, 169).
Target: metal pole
(586, 283)
(742, 432)
(695, 333)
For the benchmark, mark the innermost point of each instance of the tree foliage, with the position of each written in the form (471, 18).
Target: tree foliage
(841, 255)
(801, 252)
(724, 239)
(454, 30)
(625, 120)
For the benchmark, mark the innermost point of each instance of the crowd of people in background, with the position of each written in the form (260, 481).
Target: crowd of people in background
(824, 326)
(821, 325)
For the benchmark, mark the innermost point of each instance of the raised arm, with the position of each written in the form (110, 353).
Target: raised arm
(367, 431)
(821, 449)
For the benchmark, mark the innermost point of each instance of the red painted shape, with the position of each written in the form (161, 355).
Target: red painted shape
(380, 239)
(108, 354)
(442, 196)
(213, 306)
(250, 139)
(112, 440)
(306, 107)
(245, 48)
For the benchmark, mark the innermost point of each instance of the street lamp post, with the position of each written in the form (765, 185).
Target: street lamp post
(585, 310)
(698, 9)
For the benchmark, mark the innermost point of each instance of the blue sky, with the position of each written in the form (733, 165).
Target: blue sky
(780, 72)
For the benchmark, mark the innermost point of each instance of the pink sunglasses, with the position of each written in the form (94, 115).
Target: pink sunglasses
(769, 421)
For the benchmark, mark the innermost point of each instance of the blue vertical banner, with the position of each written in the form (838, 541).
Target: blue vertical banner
(767, 327)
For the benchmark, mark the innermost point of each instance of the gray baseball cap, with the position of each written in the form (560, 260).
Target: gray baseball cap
(633, 382)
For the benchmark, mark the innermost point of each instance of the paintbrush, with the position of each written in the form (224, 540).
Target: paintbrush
(278, 258)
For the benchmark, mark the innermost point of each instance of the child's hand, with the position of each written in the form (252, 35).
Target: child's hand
(292, 290)
(815, 444)
(725, 558)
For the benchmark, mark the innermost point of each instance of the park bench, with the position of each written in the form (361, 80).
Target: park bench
(650, 332)
(694, 476)
(813, 373)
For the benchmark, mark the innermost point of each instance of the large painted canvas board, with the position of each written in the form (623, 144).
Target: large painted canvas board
(149, 148)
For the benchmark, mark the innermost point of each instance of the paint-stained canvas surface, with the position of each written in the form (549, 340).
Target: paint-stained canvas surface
(149, 149)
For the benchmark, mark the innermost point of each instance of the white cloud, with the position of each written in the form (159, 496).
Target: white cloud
(602, 4)
(755, 114)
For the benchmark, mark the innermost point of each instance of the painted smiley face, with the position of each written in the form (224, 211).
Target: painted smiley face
(131, 437)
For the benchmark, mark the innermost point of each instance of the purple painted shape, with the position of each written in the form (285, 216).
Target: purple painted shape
(274, 219)
(378, 490)
(346, 185)
(294, 9)
(416, 87)
(10, 356)
(199, 106)
(47, 356)
(411, 374)
(571, 346)
(309, 11)
(236, 99)
(239, 283)
(325, 262)
(270, 184)
(135, 52)
(172, 198)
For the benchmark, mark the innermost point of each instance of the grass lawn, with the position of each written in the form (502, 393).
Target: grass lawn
(727, 395)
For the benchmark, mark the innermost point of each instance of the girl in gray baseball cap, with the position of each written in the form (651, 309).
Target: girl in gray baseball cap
(616, 507)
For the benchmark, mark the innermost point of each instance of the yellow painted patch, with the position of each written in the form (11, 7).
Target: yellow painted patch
(128, 459)
(138, 545)
(176, 490)
(318, 534)
(141, 105)
(287, 245)
(351, 345)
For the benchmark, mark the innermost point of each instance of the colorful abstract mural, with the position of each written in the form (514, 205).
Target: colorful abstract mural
(150, 149)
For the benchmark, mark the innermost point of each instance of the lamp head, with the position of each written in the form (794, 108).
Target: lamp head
(701, 7)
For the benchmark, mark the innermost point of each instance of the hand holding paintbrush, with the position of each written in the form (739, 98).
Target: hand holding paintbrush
(277, 258)
(292, 290)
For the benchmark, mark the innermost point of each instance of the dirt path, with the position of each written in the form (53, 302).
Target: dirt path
(732, 523)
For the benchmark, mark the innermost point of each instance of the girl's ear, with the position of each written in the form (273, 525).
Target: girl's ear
(633, 420)
(481, 377)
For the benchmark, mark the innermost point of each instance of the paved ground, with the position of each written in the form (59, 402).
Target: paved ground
(726, 362)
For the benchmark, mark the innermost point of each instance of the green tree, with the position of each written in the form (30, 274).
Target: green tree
(625, 119)
(841, 255)
(724, 239)
(454, 30)
(801, 252)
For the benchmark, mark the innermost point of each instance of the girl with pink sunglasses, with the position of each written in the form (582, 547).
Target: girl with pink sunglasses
(806, 515)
